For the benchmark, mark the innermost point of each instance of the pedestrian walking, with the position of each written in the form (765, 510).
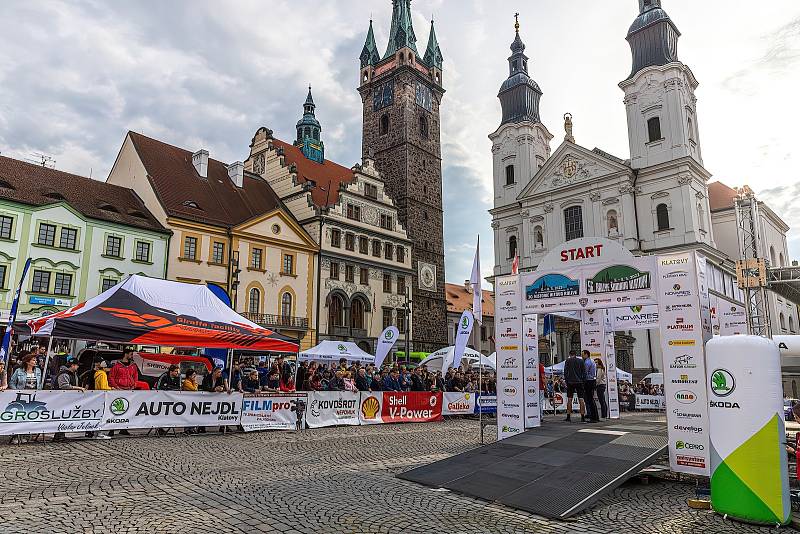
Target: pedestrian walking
(589, 386)
(602, 385)
(575, 376)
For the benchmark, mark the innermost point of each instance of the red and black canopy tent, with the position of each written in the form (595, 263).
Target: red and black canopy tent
(150, 311)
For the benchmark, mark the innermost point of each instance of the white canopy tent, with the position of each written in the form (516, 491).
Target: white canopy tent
(442, 359)
(333, 351)
(558, 369)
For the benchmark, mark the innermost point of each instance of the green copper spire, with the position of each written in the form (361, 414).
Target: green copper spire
(402, 32)
(308, 132)
(433, 55)
(369, 54)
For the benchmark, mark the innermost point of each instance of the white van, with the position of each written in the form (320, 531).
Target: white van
(656, 379)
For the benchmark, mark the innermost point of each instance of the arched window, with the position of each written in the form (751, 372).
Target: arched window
(772, 256)
(782, 319)
(573, 222)
(286, 305)
(690, 127)
(791, 324)
(423, 126)
(512, 246)
(357, 313)
(538, 238)
(316, 134)
(336, 311)
(653, 129)
(780, 259)
(612, 223)
(662, 217)
(254, 305)
(384, 124)
(307, 132)
(509, 175)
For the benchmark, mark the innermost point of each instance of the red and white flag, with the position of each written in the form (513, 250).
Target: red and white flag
(515, 264)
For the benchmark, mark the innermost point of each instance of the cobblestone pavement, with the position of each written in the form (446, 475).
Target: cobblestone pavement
(325, 480)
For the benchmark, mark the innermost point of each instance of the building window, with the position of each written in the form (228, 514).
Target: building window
(690, 127)
(573, 222)
(782, 319)
(336, 311)
(357, 311)
(3, 276)
(190, 248)
(371, 191)
(254, 306)
(6, 225)
(386, 222)
(701, 220)
(349, 242)
(423, 126)
(538, 238)
(662, 217)
(107, 284)
(334, 271)
(401, 320)
(336, 237)
(63, 284)
(349, 273)
(387, 251)
(41, 282)
(376, 248)
(509, 175)
(387, 283)
(113, 246)
(401, 285)
(401, 254)
(611, 223)
(363, 276)
(354, 212)
(68, 238)
(384, 124)
(363, 245)
(288, 264)
(142, 251)
(47, 234)
(218, 252)
(286, 305)
(654, 129)
(512, 246)
(387, 318)
(256, 258)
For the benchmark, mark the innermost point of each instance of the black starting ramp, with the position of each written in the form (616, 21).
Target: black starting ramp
(555, 470)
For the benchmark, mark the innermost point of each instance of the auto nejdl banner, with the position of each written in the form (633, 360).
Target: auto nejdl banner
(164, 409)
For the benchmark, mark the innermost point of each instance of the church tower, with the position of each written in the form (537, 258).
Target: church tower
(308, 132)
(401, 93)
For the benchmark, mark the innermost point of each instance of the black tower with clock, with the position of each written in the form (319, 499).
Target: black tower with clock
(401, 92)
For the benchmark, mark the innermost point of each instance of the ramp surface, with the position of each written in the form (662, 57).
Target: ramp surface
(555, 470)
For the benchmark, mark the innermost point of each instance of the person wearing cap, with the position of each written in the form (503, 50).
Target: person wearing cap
(67, 379)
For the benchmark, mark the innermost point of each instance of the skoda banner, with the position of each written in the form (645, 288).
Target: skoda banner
(36, 411)
(684, 363)
(332, 408)
(465, 324)
(163, 409)
(749, 472)
(530, 370)
(386, 341)
(508, 339)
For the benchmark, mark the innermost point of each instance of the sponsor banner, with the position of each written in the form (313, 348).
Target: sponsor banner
(332, 408)
(456, 403)
(705, 298)
(508, 339)
(386, 341)
(592, 333)
(558, 403)
(612, 387)
(549, 291)
(530, 370)
(682, 338)
(37, 411)
(651, 402)
(267, 411)
(370, 407)
(163, 409)
(486, 404)
(465, 324)
(411, 407)
(732, 319)
(635, 317)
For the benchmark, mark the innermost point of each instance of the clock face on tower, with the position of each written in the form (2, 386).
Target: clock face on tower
(427, 276)
(383, 95)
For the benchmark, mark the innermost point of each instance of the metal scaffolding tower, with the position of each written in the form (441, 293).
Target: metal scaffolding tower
(751, 269)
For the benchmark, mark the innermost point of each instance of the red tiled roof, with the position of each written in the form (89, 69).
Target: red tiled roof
(177, 185)
(327, 175)
(36, 185)
(460, 300)
(720, 196)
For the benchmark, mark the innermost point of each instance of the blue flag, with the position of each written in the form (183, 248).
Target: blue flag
(13, 316)
(549, 324)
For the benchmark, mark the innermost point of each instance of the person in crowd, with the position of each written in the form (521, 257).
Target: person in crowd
(417, 380)
(233, 378)
(189, 383)
(575, 376)
(337, 382)
(250, 383)
(287, 385)
(124, 375)
(362, 384)
(392, 381)
(315, 382)
(248, 365)
(469, 387)
(405, 379)
(601, 387)
(99, 382)
(377, 381)
(283, 368)
(589, 387)
(273, 381)
(3, 376)
(342, 364)
(213, 382)
(349, 383)
(27, 375)
(170, 380)
(67, 379)
(438, 381)
(302, 371)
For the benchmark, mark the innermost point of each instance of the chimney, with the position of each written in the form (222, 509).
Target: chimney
(236, 173)
(200, 162)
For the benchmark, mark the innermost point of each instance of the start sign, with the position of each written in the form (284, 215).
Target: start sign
(585, 251)
(581, 253)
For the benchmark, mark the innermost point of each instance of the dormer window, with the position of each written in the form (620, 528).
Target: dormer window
(108, 207)
(191, 204)
(53, 195)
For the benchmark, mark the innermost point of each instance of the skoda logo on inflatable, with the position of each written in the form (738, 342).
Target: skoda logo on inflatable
(722, 382)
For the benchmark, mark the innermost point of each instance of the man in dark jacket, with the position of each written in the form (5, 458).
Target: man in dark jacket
(417, 382)
(361, 380)
(574, 376)
(392, 381)
(171, 380)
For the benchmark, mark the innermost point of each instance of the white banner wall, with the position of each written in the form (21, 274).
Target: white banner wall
(267, 411)
(530, 370)
(332, 408)
(612, 388)
(635, 317)
(684, 362)
(34, 412)
(508, 337)
(164, 409)
(456, 403)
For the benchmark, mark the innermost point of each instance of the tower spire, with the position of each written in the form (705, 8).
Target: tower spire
(433, 54)
(653, 37)
(369, 54)
(309, 130)
(519, 95)
(401, 33)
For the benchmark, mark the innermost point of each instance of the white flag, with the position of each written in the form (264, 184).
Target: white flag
(385, 343)
(475, 282)
(462, 336)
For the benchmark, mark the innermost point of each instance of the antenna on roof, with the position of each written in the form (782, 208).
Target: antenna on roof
(42, 159)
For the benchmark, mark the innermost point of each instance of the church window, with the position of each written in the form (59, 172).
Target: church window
(384, 124)
(423, 126)
(509, 175)
(512, 246)
(662, 217)
(612, 223)
(573, 222)
(515, 65)
(538, 238)
(654, 129)
(690, 127)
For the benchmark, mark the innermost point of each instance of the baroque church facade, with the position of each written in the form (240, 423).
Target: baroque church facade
(654, 201)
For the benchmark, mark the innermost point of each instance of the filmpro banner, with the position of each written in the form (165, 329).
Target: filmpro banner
(332, 408)
(35, 411)
(163, 409)
(635, 317)
(684, 363)
(508, 339)
(651, 402)
(269, 411)
(456, 403)
(530, 370)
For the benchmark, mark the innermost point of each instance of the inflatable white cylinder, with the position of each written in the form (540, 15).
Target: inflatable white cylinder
(749, 473)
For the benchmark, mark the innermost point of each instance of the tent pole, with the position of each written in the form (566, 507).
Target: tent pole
(480, 393)
(46, 362)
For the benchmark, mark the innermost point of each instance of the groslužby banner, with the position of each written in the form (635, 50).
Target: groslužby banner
(332, 408)
(651, 402)
(36, 411)
(163, 409)
(273, 411)
(456, 403)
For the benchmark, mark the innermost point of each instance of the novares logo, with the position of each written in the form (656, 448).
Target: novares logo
(119, 406)
(722, 382)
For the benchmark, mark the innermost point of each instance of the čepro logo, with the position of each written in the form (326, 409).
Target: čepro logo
(722, 382)
(685, 445)
(119, 406)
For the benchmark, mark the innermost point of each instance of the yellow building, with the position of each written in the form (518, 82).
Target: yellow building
(230, 230)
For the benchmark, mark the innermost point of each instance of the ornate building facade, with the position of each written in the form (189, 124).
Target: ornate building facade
(401, 92)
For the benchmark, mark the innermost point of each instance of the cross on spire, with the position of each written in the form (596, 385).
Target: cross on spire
(516, 22)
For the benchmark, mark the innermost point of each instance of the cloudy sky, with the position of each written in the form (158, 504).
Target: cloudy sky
(74, 77)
